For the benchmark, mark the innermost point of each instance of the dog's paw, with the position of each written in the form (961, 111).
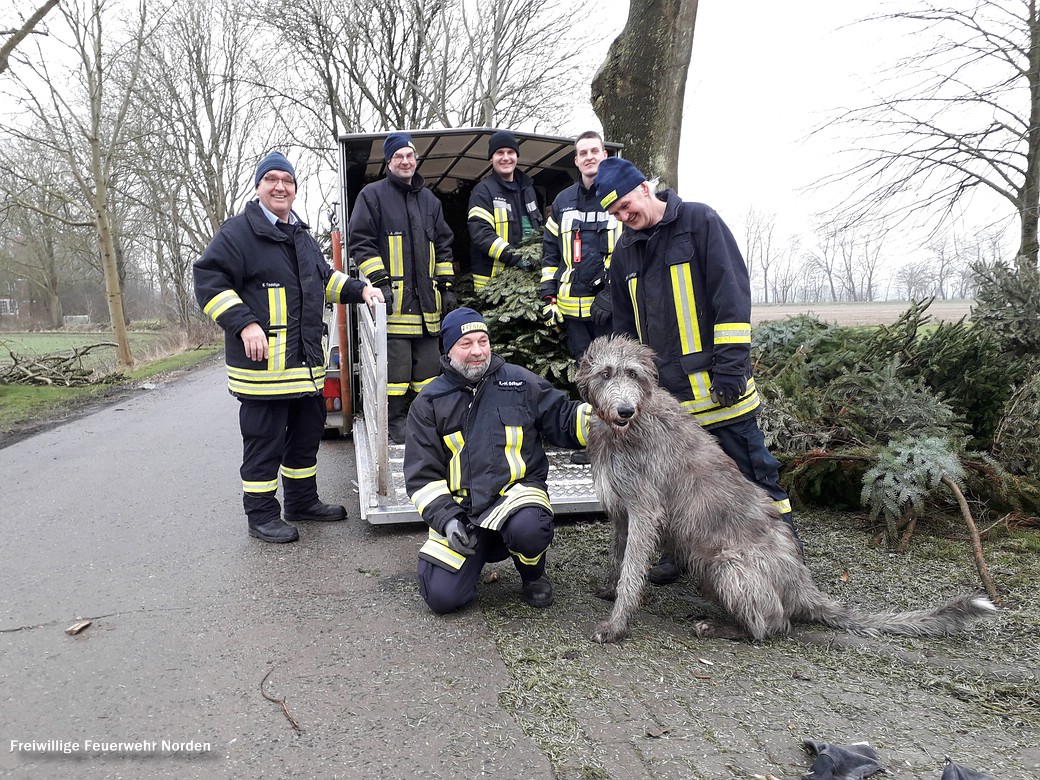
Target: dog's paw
(705, 629)
(606, 592)
(607, 632)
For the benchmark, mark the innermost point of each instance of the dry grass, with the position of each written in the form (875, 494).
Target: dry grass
(689, 708)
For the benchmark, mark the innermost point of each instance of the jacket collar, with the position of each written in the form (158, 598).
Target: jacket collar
(260, 223)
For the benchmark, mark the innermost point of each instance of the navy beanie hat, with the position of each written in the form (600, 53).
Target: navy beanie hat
(274, 161)
(396, 141)
(616, 178)
(502, 139)
(456, 324)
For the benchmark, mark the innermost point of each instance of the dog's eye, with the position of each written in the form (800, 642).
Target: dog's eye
(607, 372)
(631, 373)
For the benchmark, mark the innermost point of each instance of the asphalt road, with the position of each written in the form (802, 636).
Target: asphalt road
(131, 516)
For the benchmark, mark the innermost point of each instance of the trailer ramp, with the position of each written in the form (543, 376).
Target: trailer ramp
(380, 463)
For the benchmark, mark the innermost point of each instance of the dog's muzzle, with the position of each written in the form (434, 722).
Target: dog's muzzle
(625, 413)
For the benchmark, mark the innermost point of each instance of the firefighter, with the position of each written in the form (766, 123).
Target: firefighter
(503, 211)
(475, 468)
(400, 241)
(264, 280)
(578, 240)
(678, 283)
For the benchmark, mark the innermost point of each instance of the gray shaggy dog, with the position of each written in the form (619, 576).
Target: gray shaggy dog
(665, 482)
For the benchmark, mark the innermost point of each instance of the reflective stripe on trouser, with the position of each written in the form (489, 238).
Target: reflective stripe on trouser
(411, 363)
(525, 537)
(279, 437)
(744, 442)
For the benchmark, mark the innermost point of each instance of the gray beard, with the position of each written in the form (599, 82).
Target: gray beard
(471, 372)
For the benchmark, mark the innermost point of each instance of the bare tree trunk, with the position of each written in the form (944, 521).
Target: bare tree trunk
(639, 90)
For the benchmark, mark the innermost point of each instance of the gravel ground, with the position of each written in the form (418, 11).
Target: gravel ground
(663, 704)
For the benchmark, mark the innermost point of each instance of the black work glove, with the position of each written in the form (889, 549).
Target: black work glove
(462, 537)
(726, 389)
(449, 301)
(602, 311)
(515, 260)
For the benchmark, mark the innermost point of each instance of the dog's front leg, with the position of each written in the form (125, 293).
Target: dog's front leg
(640, 547)
(608, 589)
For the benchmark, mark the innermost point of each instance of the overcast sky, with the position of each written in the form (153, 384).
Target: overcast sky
(764, 75)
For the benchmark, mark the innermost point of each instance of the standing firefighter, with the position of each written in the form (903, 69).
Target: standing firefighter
(475, 468)
(678, 283)
(503, 211)
(579, 238)
(264, 280)
(400, 241)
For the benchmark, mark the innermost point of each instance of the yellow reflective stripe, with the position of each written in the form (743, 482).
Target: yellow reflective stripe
(482, 214)
(307, 473)
(432, 319)
(514, 497)
(334, 288)
(514, 442)
(571, 306)
(552, 227)
(396, 389)
(276, 349)
(262, 486)
(404, 324)
(700, 385)
(479, 280)
(525, 560)
(395, 244)
(502, 222)
(417, 386)
(455, 443)
(706, 412)
(422, 497)
(371, 265)
(498, 246)
(221, 302)
(609, 198)
(436, 548)
(732, 333)
(582, 428)
(289, 381)
(633, 285)
(685, 308)
(276, 307)
(548, 273)
(443, 268)
(783, 506)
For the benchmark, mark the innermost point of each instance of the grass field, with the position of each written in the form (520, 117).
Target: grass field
(24, 408)
(143, 346)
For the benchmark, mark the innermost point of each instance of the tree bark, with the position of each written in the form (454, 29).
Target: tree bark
(639, 90)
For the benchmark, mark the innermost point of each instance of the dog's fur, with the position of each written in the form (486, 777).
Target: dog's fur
(665, 482)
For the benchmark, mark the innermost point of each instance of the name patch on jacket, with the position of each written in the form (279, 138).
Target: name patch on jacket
(267, 285)
(512, 384)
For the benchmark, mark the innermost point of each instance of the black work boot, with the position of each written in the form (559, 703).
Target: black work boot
(396, 414)
(664, 572)
(538, 593)
(580, 458)
(317, 511)
(274, 531)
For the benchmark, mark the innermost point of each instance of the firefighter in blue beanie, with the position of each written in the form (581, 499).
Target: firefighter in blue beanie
(687, 294)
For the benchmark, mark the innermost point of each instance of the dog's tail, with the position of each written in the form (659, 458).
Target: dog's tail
(950, 618)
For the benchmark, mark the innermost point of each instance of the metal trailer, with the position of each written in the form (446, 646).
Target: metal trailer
(451, 161)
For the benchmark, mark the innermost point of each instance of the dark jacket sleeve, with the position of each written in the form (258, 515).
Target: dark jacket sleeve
(481, 225)
(426, 468)
(364, 242)
(563, 422)
(442, 241)
(623, 313)
(730, 286)
(551, 257)
(217, 277)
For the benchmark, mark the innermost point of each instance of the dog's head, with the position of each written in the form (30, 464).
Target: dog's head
(616, 375)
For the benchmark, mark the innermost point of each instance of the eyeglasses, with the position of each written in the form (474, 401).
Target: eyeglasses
(274, 181)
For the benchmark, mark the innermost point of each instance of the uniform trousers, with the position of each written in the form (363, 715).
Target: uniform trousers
(525, 536)
(280, 436)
